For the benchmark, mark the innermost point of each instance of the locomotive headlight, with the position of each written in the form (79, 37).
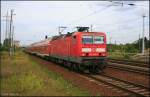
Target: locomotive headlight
(100, 50)
(86, 49)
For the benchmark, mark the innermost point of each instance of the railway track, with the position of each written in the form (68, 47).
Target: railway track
(135, 69)
(126, 88)
(132, 66)
(129, 62)
(131, 89)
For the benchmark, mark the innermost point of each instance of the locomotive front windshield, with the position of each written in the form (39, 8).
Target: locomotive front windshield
(89, 39)
(98, 39)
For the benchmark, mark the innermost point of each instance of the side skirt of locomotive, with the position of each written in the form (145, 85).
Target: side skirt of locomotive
(94, 64)
(80, 64)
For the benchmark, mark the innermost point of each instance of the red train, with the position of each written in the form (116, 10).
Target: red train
(81, 50)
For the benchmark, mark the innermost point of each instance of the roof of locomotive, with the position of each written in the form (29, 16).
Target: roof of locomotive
(74, 33)
(100, 33)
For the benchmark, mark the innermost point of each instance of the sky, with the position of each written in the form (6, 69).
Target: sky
(35, 19)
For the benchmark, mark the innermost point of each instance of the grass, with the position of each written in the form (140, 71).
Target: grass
(121, 55)
(22, 76)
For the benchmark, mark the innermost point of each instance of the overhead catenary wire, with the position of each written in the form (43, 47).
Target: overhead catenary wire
(127, 21)
(98, 11)
(93, 13)
(121, 24)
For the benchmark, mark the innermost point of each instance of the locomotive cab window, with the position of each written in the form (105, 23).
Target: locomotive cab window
(98, 39)
(87, 39)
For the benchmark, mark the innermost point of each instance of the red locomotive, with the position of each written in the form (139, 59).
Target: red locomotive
(81, 50)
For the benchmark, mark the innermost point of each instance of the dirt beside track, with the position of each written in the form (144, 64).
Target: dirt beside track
(78, 80)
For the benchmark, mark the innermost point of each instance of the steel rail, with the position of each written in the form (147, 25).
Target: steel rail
(129, 62)
(143, 71)
(132, 89)
(138, 85)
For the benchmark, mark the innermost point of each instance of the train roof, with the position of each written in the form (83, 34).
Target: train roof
(42, 43)
(62, 36)
(46, 41)
(70, 34)
(100, 33)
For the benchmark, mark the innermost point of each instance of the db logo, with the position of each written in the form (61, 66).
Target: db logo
(93, 49)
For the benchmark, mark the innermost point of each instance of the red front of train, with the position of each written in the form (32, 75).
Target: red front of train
(78, 50)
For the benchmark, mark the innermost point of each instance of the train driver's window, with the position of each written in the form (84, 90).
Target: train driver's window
(98, 39)
(87, 39)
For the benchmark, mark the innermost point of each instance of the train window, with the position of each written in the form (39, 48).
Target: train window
(87, 39)
(98, 39)
(74, 39)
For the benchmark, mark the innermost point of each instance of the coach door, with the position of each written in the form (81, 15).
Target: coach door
(68, 48)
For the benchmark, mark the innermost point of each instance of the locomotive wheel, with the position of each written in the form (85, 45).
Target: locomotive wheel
(70, 66)
(64, 64)
(73, 66)
(97, 70)
(91, 69)
(81, 68)
(102, 67)
(78, 67)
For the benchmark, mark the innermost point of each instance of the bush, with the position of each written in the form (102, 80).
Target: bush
(126, 56)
